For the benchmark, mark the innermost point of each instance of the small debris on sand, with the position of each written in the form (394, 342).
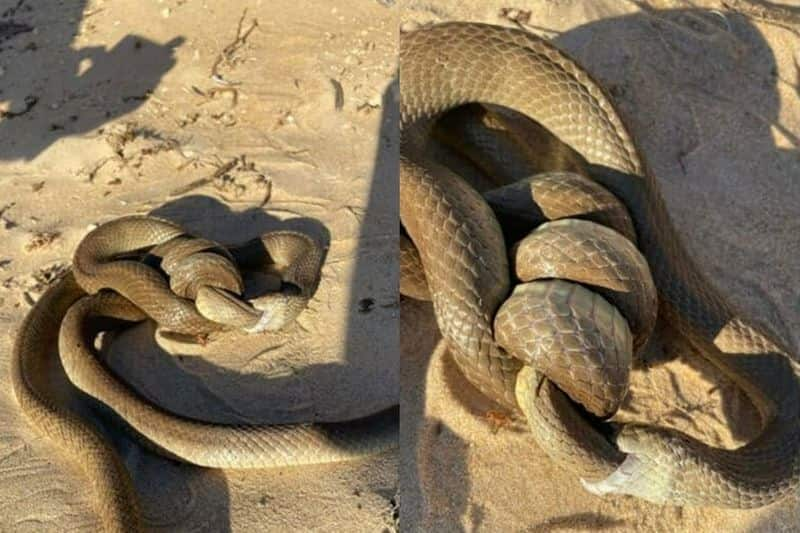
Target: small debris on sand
(41, 239)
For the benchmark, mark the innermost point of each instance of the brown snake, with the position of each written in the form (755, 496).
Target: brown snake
(463, 267)
(128, 290)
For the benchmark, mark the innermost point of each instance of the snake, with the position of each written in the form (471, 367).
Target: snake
(454, 252)
(115, 279)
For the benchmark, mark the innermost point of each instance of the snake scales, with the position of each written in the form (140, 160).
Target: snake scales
(126, 290)
(458, 258)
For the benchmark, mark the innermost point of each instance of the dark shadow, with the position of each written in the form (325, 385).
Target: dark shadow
(209, 217)
(425, 493)
(83, 88)
(176, 496)
(374, 298)
(480, 406)
(737, 77)
(583, 521)
(781, 518)
(663, 90)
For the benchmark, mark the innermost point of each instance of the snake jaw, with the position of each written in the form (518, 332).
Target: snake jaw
(640, 474)
(264, 323)
(620, 480)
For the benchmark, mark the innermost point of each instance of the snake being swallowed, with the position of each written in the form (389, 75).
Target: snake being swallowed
(557, 346)
(118, 274)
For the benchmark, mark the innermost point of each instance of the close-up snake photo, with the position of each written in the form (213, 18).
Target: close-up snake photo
(533, 224)
(552, 334)
(400, 265)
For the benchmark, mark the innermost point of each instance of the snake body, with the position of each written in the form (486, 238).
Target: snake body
(463, 256)
(129, 291)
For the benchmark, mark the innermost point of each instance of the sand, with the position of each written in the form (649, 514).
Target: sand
(712, 98)
(109, 109)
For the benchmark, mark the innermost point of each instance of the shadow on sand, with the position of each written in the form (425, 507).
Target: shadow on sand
(83, 87)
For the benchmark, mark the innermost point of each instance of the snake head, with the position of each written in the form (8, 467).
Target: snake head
(278, 309)
(267, 322)
(647, 472)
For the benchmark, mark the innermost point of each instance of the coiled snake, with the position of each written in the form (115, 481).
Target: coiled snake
(576, 328)
(206, 283)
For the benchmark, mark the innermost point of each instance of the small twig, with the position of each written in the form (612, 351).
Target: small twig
(338, 94)
(661, 21)
(722, 16)
(226, 54)
(522, 19)
(769, 13)
(30, 102)
(218, 90)
(196, 184)
(517, 16)
(92, 12)
(188, 161)
(210, 93)
(92, 172)
(221, 169)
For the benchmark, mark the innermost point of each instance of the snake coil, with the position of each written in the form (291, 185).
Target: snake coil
(456, 249)
(576, 324)
(117, 274)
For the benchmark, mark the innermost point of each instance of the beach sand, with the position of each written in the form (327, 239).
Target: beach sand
(110, 109)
